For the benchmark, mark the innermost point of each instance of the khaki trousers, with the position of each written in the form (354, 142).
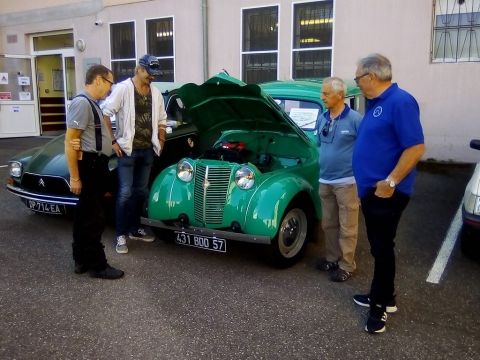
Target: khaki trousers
(340, 223)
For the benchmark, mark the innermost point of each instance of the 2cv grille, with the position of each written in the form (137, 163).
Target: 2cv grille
(211, 187)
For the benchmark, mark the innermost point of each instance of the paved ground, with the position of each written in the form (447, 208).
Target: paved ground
(183, 303)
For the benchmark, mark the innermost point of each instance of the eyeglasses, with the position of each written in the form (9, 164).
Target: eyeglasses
(326, 128)
(357, 78)
(154, 64)
(110, 82)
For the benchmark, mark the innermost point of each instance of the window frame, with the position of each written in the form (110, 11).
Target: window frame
(452, 8)
(255, 52)
(172, 57)
(294, 50)
(119, 60)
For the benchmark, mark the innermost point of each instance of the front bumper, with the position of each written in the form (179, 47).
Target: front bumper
(52, 199)
(228, 235)
(470, 219)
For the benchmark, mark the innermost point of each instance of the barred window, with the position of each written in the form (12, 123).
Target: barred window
(260, 44)
(312, 39)
(456, 31)
(122, 49)
(160, 44)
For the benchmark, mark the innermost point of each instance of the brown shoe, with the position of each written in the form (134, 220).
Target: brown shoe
(324, 265)
(340, 275)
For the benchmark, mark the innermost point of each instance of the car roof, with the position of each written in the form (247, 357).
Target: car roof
(307, 89)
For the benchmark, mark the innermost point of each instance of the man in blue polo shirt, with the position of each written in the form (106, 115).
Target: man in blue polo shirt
(389, 145)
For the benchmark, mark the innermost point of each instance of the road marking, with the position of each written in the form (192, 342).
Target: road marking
(440, 264)
(2, 166)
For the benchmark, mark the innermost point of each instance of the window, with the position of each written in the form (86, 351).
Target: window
(456, 31)
(312, 39)
(160, 44)
(260, 44)
(122, 49)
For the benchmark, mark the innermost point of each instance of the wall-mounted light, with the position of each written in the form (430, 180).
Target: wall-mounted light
(80, 45)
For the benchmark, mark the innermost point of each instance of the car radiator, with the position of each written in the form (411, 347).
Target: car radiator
(211, 187)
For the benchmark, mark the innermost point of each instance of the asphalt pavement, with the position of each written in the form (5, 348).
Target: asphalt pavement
(183, 303)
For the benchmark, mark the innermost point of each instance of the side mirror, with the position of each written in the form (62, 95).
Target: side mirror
(475, 144)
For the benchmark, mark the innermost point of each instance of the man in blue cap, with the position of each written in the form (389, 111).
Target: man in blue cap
(140, 135)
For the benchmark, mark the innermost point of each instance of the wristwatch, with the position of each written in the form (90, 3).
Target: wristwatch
(391, 183)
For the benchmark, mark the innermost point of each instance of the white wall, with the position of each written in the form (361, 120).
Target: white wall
(401, 30)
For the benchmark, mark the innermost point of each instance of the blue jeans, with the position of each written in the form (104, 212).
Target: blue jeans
(133, 176)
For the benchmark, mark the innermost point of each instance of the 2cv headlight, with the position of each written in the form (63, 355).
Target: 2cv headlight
(15, 169)
(245, 178)
(185, 170)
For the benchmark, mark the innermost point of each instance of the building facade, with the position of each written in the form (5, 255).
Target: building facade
(433, 45)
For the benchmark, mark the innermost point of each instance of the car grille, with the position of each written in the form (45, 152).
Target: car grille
(209, 201)
(43, 184)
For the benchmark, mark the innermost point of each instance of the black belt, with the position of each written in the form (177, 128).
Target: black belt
(94, 156)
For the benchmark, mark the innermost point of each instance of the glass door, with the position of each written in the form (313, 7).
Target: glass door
(69, 79)
(18, 97)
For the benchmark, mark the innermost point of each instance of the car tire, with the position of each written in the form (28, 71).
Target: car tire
(290, 242)
(470, 242)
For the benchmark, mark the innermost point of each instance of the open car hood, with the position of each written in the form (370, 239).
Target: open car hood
(225, 103)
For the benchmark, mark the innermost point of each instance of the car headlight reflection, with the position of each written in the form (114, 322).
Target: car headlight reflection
(184, 171)
(15, 169)
(245, 178)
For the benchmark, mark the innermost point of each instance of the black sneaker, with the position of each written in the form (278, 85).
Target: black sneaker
(376, 321)
(107, 273)
(364, 300)
(324, 265)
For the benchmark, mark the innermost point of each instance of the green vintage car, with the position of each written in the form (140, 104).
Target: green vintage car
(252, 174)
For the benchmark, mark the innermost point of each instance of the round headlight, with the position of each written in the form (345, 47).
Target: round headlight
(185, 171)
(15, 169)
(245, 178)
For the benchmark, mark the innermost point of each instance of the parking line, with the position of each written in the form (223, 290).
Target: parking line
(440, 264)
(2, 166)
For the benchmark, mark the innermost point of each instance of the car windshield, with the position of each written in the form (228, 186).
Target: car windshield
(303, 113)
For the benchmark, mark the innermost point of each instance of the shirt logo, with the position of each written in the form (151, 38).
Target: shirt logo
(378, 111)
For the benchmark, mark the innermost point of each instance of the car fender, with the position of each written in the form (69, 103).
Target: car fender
(272, 197)
(165, 194)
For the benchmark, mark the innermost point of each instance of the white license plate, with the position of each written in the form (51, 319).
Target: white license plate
(45, 207)
(202, 242)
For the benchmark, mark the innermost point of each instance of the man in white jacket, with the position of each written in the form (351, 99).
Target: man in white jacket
(140, 135)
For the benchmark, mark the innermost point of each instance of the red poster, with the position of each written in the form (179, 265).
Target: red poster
(5, 95)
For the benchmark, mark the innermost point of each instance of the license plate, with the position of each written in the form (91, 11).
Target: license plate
(202, 242)
(45, 207)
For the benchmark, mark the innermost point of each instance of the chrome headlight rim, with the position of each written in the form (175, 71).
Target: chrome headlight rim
(245, 178)
(15, 169)
(185, 170)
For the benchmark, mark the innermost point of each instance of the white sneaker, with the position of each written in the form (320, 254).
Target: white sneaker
(121, 245)
(142, 235)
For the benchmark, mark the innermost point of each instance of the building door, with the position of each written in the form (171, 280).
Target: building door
(55, 68)
(18, 105)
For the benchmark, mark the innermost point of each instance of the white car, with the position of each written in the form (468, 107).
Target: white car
(470, 236)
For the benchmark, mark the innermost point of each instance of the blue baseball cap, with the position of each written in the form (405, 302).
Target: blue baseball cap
(151, 64)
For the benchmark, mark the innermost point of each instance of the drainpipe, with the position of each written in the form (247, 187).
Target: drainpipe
(205, 38)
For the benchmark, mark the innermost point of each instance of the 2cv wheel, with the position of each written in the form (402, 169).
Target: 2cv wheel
(289, 244)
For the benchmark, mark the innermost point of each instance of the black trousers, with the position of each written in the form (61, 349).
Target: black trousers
(381, 218)
(89, 218)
